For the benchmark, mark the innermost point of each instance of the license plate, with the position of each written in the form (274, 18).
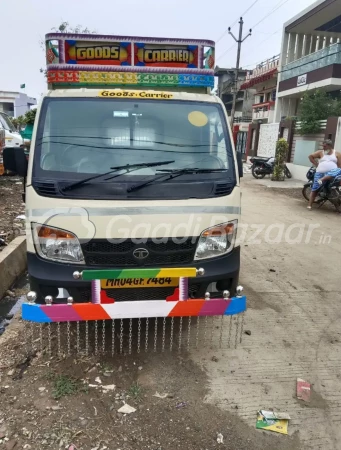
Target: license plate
(139, 283)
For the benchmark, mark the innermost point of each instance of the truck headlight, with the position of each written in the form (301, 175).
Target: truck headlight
(217, 240)
(56, 244)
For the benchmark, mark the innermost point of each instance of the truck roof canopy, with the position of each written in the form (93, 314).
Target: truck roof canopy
(101, 61)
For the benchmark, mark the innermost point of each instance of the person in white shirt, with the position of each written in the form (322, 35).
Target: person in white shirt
(328, 166)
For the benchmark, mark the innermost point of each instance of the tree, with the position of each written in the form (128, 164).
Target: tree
(315, 106)
(30, 116)
(18, 122)
(65, 27)
(15, 122)
(21, 121)
(282, 147)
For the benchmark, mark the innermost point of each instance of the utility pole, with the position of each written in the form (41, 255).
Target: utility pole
(239, 41)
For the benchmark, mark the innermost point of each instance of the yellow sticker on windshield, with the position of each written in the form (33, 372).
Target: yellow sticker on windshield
(136, 94)
(197, 118)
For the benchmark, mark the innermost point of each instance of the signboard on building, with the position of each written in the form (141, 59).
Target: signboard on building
(301, 80)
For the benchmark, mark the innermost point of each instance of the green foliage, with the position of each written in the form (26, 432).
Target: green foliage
(64, 385)
(65, 27)
(30, 116)
(282, 147)
(21, 121)
(135, 391)
(15, 122)
(317, 105)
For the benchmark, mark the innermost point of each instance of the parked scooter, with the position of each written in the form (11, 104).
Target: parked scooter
(328, 192)
(264, 166)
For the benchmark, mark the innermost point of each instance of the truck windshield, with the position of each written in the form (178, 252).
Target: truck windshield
(79, 136)
(6, 123)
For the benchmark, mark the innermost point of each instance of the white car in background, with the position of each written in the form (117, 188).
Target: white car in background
(12, 137)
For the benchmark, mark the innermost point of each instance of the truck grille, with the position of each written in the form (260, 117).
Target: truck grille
(101, 252)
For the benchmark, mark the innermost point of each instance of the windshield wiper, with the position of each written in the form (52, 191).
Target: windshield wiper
(127, 168)
(170, 174)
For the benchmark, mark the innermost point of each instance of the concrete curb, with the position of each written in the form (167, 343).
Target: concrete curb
(12, 263)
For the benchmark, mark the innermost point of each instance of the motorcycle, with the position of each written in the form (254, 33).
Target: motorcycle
(265, 166)
(328, 192)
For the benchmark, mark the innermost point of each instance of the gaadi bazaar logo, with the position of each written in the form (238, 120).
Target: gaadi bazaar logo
(158, 55)
(98, 53)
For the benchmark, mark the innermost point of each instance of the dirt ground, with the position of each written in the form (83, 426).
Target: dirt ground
(292, 283)
(11, 206)
(292, 327)
(53, 403)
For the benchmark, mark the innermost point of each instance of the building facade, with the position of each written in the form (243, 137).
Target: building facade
(310, 56)
(15, 104)
(244, 100)
(263, 81)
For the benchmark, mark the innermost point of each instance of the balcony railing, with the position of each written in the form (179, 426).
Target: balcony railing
(260, 115)
(263, 68)
(322, 58)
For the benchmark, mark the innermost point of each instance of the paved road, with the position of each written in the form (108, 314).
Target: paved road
(294, 318)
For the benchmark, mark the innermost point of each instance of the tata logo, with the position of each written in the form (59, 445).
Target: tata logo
(141, 253)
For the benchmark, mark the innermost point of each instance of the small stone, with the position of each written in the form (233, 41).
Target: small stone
(126, 409)
(10, 293)
(42, 389)
(214, 359)
(220, 438)
(248, 332)
(84, 422)
(120, 369)
(10, 372)
(140, 368)
(9, 316)
(56, 408)
(272, 270)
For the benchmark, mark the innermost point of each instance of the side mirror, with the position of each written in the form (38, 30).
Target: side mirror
(15, 160)
(240, 164)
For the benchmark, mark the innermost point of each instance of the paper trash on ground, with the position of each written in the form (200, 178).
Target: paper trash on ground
(303, 390)
(275, 425)
(271, 415)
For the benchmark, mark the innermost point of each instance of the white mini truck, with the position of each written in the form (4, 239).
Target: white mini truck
(132, 190)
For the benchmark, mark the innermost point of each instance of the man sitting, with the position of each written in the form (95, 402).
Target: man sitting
(328, 167)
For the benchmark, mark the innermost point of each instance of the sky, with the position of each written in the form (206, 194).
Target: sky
(24, 24)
